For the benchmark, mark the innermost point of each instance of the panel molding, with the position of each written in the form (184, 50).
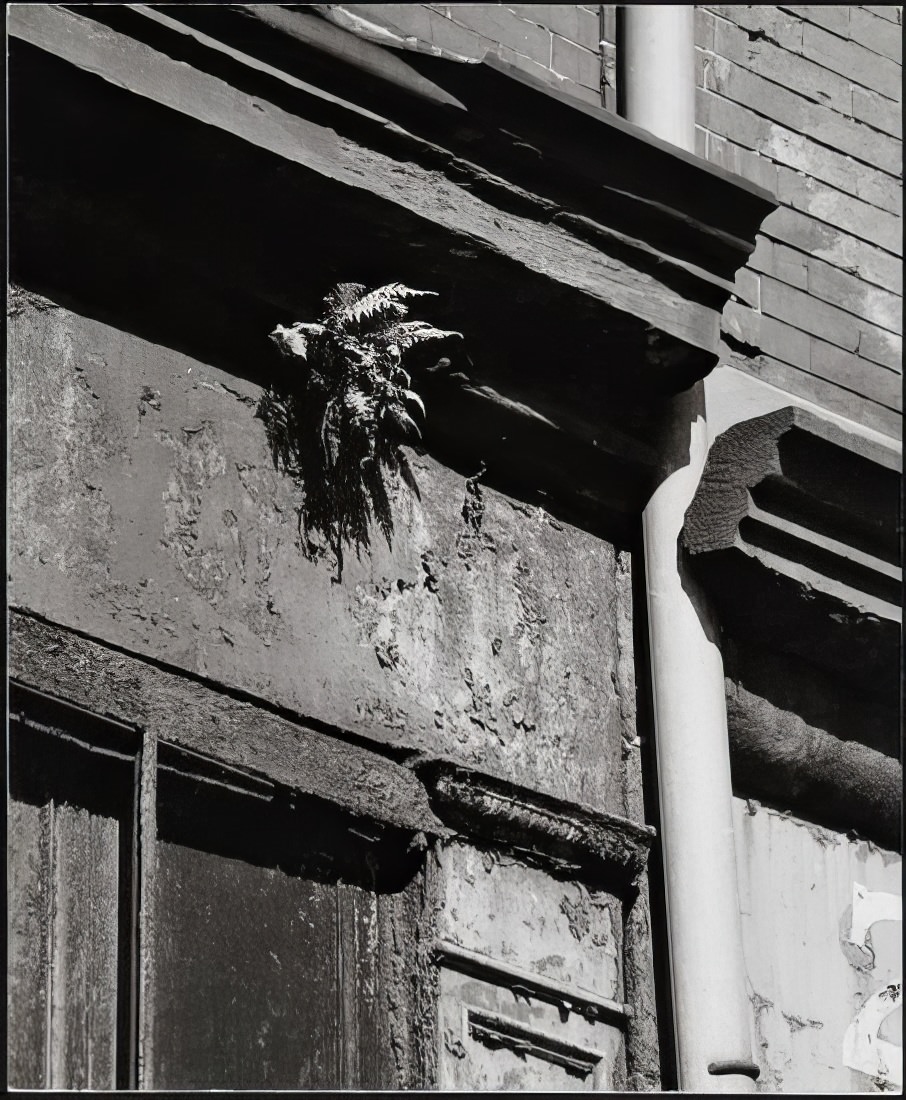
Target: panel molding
(524, 983)
(495, 1030)
(558, 835)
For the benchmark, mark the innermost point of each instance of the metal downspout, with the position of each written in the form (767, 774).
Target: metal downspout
(711, 1009)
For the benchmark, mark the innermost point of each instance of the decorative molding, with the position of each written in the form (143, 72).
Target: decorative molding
(794, 533)
(545, 829)
(495, 1031)
(524, 983)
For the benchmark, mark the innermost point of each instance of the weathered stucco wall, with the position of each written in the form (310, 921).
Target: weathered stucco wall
(497, 1034)
(822, 934)
(146, 512)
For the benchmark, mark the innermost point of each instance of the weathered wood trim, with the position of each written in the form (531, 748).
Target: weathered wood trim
(239, 734)
(204, 719)
(495, 91)
(147, 891)
(495, 1030)
(643, 1067)
(584, 1002)
(548, 830)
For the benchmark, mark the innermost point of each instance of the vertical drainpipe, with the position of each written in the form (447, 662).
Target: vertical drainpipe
(711, 1009)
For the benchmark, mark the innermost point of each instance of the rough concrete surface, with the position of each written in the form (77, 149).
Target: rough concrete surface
(146, 512)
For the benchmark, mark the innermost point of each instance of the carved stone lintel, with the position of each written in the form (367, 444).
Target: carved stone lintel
(546, 830)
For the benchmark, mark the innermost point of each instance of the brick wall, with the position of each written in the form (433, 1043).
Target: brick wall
(561, 44)
(806, 102)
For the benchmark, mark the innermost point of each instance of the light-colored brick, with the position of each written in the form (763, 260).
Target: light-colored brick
(609, 65)
(802, 311)
(785, 264)
(878, 111)
(762, 259)
(835, 247)
(876, 34)
(704, 22)
(766, 22)
(780, 144)
(882, 347)
(428, 25)
(856, 373)
(798, 113)
(852, 61)
(812, 196)
(502, 26)
(779, 65)
(609, 22)
(811, 387)
(748, 288)
(568, 20)
(892, 12)
(742, 162)
(833, 17)
(772, 336)
(572, 61)
(855, 295)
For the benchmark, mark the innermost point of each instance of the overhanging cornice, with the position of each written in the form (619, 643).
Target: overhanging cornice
(587, 262)
(794, 531)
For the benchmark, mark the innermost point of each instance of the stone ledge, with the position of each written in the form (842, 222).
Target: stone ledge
(191, 715)
(555, 834)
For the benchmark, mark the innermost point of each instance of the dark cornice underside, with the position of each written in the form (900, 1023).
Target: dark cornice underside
(197, 195)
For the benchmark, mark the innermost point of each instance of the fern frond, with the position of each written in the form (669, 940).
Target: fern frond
(295, 340)
(339, 425)
(405, 334)
(412, 397)
(342, 298)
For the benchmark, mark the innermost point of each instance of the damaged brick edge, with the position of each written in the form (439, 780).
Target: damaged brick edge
(546, 830)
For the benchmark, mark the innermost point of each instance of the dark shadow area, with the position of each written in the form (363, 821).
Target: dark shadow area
(63, 756)
(820, 698)
(836, 493)
(850, 651)
(505, 126)
(208, 808)
(645, 730)
(189, 237)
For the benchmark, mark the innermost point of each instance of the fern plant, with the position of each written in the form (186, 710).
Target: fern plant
(338, 418)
